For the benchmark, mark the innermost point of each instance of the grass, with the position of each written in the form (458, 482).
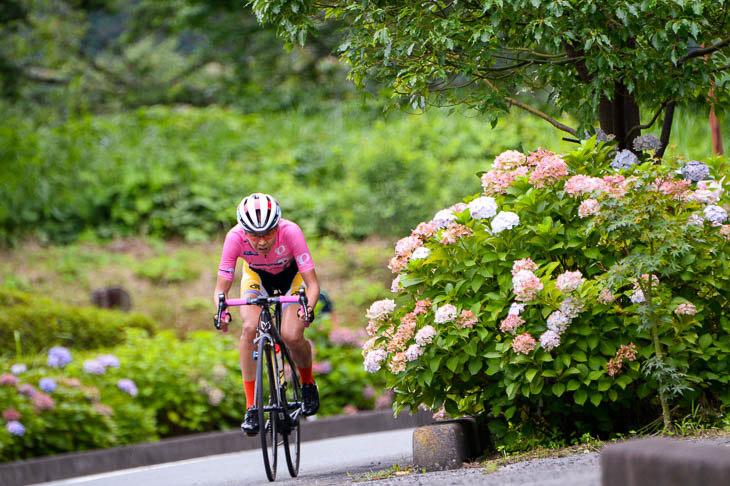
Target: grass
(173, 282)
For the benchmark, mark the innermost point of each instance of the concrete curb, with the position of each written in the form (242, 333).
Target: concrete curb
(67, 465)
(445, 445)
(666, 462)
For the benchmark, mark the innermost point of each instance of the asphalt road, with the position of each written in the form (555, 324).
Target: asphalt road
(324, 462)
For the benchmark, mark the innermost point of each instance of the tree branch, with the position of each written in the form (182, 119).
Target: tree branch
(542, 115)
(648, 125)
(704, 51)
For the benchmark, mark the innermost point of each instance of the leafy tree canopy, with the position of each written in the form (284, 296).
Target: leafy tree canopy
(596, 59)
(104, 54)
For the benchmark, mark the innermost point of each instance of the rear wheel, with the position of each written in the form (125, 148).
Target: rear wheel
(266, 402)
(292, 397)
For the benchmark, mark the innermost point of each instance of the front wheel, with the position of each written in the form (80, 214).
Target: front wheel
(266, 402)
(292, 397)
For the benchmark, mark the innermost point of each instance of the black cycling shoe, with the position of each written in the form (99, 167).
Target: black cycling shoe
(250, 424)
(310, 399)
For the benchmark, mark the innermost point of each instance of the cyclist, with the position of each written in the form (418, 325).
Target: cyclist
(275, 258)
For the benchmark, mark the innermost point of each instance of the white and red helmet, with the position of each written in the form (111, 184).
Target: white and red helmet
(258, 213)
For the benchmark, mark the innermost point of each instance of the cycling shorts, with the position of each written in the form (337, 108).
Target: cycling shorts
(262, 283)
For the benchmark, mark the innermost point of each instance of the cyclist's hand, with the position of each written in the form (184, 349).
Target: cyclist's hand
(310, 311)
(225, 320)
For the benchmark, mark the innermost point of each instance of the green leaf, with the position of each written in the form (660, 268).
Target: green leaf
(530, 374)
(705, 341)
(580, 396)
(510, 412)
(579, 356)
(596, 398)
(452, 363)
(537, 385)
(475, 365)
(573, 385)
(558, 389)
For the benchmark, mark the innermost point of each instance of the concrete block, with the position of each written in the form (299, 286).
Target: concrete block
(445, 445)
(665, 462)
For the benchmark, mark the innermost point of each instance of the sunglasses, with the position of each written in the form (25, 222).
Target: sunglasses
(262, 236)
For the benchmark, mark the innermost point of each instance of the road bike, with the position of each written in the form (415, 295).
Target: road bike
(278, 400)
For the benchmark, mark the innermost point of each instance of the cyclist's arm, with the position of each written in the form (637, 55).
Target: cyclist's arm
(222, 285)
(312, 290)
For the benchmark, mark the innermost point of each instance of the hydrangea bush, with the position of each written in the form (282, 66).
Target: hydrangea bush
(586, 292)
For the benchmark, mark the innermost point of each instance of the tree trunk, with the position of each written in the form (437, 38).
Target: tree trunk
(619, 115)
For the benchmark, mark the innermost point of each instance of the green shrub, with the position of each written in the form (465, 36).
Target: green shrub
(597, 348)
(39, 323)
(182, 387)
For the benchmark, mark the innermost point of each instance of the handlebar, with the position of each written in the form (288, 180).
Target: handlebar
(223, 303)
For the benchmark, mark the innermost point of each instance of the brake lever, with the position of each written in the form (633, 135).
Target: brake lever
(221, 308)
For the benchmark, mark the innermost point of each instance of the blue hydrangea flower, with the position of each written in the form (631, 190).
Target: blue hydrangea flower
(624, 159)
(715, 214)
(695, 171)
(94, 367)
(15, 427)
(47, 385)
(58, 357)
(127, 385)
(109, 360)
(647, 142)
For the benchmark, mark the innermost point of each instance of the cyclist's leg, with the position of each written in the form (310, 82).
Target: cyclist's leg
(250, 287)
(292, 329)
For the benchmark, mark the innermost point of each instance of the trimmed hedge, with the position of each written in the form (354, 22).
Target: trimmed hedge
(41, 323)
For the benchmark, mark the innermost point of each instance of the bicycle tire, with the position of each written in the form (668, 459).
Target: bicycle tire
(266, 398)
(292, 398)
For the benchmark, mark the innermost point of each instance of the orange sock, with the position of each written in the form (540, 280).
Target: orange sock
(250, 389)
(306, 374)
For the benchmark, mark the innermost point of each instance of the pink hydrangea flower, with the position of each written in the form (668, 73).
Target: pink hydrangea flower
(440, 414)
(422, 306)
(8, 379)
(580, 184)
(424, 231)
(467, 319)
(589, 207)
(548, 170)
(453, 232)
(725, 231)
(405, 246)
(569, 281)
(511, 323)
(509, 160)
(43, 401)
(526, 286)
(401, 337)
(11, 414)
(535, 157)
(398, 363)
(606, 297)
(523, 264)
(686, 309)
(498, 181)
(523, 344)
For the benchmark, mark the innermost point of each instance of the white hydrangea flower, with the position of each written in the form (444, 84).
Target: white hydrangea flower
(420, 253)
(483, 207)
(446, 313)
(380, 309)
(425, 335)
(413, 352)
(373, 360)
(504, 220)
(637, 297)
(549, 340)
(558, 322)
(442, 218)
(516, 309)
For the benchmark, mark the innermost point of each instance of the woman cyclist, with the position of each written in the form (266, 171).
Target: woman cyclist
(275, 258)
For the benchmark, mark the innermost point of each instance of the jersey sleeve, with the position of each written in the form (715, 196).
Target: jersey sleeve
(300, 249)
(229, 256)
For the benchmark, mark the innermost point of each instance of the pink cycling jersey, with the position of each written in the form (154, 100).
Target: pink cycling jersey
(290, 245)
